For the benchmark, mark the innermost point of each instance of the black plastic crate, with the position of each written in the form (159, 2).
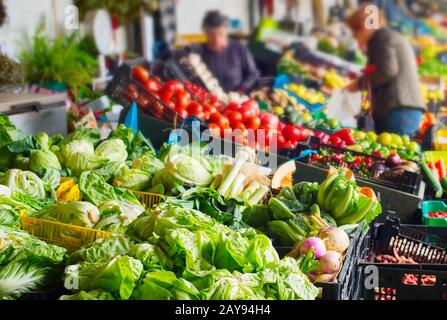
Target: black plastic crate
(408, 182)
(124, 90)
(426, 280)
(344, 288)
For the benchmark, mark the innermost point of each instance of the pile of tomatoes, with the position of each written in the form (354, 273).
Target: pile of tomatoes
(244, 123)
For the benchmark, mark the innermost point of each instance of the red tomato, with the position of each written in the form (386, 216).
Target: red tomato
(264, 135)
(233, 106)
(240, 126)
(253, 123)
(305, 133)
(151, 85)
(247, 114)
(214, 129)
(269, 119)
(291, 133)
(140, 74)
(173, 85)
(182, 113)
(286, 145)
(280, 140)
(281, 125)
(235, 118)
(209, 108)
(220, 120)
(200, 115)
(166, 95)
(131, 92)
(182, 99)
(194, 108)
(251, 104)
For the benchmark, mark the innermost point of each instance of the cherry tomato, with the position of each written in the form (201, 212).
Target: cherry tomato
(209, 108)
(166, 95)
(253, 123)
(247, 114)
(281, 125)
(291, 133)
(194, 108)
(252, 105)
(269, 120)
(151, 85)
(233, 106)
(280, 139)
(305, 133)
(131, 92)
(182, 99)
(220, 120)
(173, 85)
(182, 113)
(264, 135)
(286, 145)
(140, 74)
(234, 117)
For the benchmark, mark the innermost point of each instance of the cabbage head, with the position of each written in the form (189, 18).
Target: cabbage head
(43, 159)
(113, 150)
(149, 163)
(79, 156)
(24, 182)
(82, 214)
(133, 179)
(116, 215)
(188, 170)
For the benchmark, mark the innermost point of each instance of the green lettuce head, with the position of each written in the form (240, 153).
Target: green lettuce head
(82, 214)
(133, 179)
(113, 150)
(42, 159)
(79, 156)
(24, 182)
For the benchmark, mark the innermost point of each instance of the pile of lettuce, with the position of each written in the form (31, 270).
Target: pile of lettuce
(27, 264)
(175, 252)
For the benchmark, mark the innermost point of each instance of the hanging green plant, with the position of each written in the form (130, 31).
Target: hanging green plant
(62, 59)
(125, 11)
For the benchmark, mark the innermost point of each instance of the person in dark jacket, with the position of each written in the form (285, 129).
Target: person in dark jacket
(228, 60)
(397, 104)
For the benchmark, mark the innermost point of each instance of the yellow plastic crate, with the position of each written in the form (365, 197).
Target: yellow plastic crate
(149, 199)
(61, 234)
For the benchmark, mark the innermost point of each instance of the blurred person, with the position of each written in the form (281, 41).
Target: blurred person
(229, 61)
(397, 104)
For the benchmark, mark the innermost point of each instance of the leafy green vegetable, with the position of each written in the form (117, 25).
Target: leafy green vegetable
(25, 145)
(102, 250)
(133, 179)
(8, 131)
(27, 263)
(78, 156)
(89, 295)
(149, 163)
(82, 214)
(117, 215)
(24, 181)
(164, 285)
(97, 191)
(306, 193)
(113, 150)
(42, 159)
(119, 276)
(152, 257)
(9, 218)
